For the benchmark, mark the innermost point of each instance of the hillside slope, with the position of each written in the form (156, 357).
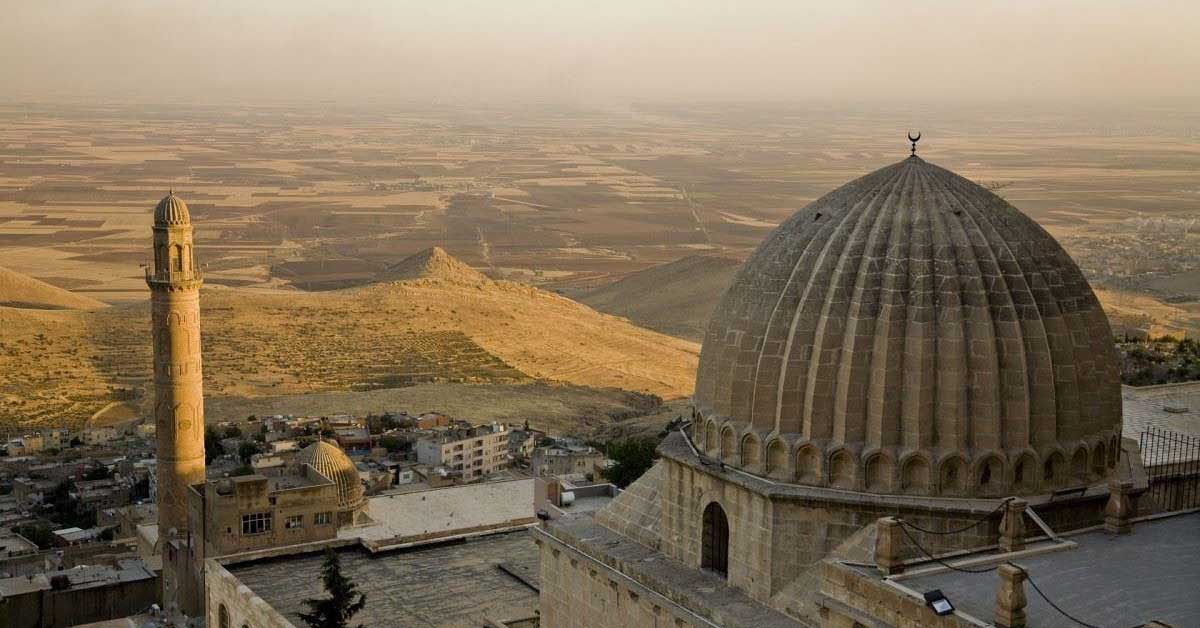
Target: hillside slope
(23, 291)
(63, 366)
(432, 263)
(675, 298)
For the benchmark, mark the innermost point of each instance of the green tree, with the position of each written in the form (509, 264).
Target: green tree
(97, 473)
(212, 445)
(344, 600)
(631, 458)
(37, 534)
(393, 443)
(243, 470)
(247, 449)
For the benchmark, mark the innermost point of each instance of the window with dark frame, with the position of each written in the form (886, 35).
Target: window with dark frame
(256, 523)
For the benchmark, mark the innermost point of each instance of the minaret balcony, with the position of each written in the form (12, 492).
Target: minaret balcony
(173, 280)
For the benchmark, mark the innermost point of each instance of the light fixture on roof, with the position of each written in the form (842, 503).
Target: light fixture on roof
(937, 601)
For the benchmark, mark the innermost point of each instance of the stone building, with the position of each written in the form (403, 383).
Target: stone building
(458, 556)
(333, 463)
(76, 596)
(565, 460)
(909, 345)
(475, 451)
(174, 282)
(293, 505)
(290, 506)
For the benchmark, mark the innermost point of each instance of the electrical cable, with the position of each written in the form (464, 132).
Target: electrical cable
(911, 539)
(963, 529)
(1045, 597)
(904, 528)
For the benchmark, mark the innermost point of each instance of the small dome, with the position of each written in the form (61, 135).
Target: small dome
(912, 332)
(331, 462)
(171, 211)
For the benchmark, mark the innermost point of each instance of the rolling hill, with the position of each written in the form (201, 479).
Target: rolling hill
(432, 263)
(441, 324)
(674, 298)
(22, 291)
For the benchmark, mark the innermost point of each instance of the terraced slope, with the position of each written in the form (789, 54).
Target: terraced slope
(60, 367)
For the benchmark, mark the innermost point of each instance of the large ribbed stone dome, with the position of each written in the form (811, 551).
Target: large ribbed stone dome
(911, 332)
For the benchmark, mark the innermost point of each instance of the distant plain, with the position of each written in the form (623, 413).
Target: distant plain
(305, 200)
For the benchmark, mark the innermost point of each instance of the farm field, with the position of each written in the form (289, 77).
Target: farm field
(307, 221)
(318, 199)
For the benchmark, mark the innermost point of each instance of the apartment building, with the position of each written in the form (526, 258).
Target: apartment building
(475, 451)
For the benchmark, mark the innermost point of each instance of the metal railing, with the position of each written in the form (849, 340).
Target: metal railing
(1172, 463)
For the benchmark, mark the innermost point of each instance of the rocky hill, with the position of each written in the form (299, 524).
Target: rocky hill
(444, 324)
(23, 291)
(432, 263)
(675, 298)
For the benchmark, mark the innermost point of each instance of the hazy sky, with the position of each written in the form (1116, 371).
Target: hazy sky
(602, 51)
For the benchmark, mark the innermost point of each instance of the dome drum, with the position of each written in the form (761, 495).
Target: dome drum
(900, 471)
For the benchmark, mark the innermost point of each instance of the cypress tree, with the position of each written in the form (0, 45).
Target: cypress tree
(344, 599)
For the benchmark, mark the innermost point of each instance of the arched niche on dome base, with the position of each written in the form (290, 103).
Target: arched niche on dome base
(1026, 473)
(776, 458)
(952, 475)
(990, 477)
(808, 464)
(878, 473)
(914, 475)
(728, 444)
(1099, 459)
(750, 452)
(711, 442)
(1054, 470)
(842, 469)
(1079, 464)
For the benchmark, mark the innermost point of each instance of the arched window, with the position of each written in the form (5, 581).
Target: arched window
(177, 258)
(714, 544)
(222, 617)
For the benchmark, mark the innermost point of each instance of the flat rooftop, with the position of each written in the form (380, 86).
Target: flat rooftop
(1127, 580)
(450, 510)
(13, 544)
(1172, 407)
(451, 584)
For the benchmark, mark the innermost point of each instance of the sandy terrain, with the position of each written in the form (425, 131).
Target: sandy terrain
(442, 325)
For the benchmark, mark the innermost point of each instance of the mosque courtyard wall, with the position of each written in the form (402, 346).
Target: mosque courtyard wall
(577, 592)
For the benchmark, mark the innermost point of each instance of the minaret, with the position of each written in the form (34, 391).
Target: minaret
(179, 394)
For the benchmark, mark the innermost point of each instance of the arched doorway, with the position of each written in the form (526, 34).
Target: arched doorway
(714, 542)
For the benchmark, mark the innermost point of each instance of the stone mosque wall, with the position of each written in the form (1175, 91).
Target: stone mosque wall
(229, 598)
(577, 592)
(772, 540)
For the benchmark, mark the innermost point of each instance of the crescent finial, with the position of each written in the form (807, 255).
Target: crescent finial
(914, 141)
